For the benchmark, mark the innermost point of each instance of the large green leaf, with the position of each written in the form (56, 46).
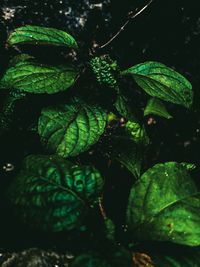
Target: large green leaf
(41, 36)
(156, 107)
(27, 75)
(162, 82)
(52, 194)
(165, 205)
(72, 128)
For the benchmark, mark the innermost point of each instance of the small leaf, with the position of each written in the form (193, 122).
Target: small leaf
(128, 152)
(41, 36)
(162, 82)
(188, 166)
(30, 76)
(137, 133)
(130, 155)
(125, 109)
(164, 205)
(156, 107)
(71, 129)
(52, 194)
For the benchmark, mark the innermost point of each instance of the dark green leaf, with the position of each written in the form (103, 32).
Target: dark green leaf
(41, 36)
(110, 258)
(52, 194)
(188, 166)
(30, 76)
(162, 82)
(130, 155)
(71, 129)
(164, 205)
(156, 107)
(125, 109)
(128, 152)
(177, 258)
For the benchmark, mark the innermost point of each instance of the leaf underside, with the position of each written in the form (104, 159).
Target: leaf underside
(52, 194)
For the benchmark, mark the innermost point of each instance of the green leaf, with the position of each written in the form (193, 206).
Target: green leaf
(130, 155)
(164, 205)
(125, 108)
(127, 152)
(52, 194)
(137, 133)
(30, 76)
(41, 36)
(156, 107)
(177, 258)
(162, 82)
(90, 260)
(71, 129)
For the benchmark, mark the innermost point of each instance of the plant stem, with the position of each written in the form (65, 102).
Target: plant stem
(109, 225)
(131, 17)
(8, 109)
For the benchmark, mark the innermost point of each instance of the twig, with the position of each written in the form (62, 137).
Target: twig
(132, 16)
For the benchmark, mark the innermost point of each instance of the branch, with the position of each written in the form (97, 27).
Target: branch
(131, 17)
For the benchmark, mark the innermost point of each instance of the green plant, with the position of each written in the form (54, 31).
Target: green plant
(55, 192)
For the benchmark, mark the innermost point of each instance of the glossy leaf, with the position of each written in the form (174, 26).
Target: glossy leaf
(32, 77)
(164, 205)
(156, 107)
(162, 82)
(41, 36)
(71, 129)
(52, 194)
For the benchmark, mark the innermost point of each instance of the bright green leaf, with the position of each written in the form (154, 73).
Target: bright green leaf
(164, 205)
(162, 82)
(41, 36)
(52, 194)
(30, 76)
(156, 107)
(137, 132)
(71, 129)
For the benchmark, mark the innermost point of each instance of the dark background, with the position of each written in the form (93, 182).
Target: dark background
(168, 32)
